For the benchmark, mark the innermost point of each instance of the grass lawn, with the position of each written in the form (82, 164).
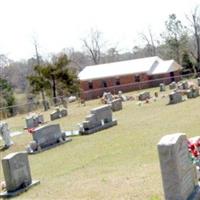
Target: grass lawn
(117, 163)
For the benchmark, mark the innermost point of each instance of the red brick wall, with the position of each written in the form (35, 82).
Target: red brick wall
(127, 83)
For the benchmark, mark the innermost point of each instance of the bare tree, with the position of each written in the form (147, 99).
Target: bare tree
(35, 43)
(77, 59)
(148, 38)
(93, 44)
(195, 26)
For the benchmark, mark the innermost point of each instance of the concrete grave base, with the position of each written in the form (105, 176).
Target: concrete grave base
(99, 128)
(50, 146)
(17, 192)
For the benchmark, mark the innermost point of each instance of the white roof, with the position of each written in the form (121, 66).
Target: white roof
(147, 65)
(166, 67)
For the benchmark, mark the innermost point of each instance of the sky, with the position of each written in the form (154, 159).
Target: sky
(59, 24)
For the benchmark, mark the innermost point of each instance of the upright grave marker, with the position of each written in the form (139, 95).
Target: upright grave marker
(116, 104)
(58, 113)
(45, 137)
(17, 174)
(34, 120)
(175, 97)
(5, 134)
(100, 118)
(178, 172)
(144, 96)
(162, 87)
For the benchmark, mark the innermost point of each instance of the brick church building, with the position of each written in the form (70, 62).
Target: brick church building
(127, 76)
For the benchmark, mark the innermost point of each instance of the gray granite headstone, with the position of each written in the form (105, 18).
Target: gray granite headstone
(55, 115)
(34, 120)
(46, 137)
(192, 93)
(103, 113)
(17, 173)
(99, 119)
(162, 87)
(116, 105)
(175, 97)
(58, 113)
(144, 96)
(178, 172)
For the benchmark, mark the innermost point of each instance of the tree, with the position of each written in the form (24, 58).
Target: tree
(62, 79)
(93, 45)
(150, 43)
(188, 66)
(175, 37)
(6, 95)
(195, 27)
(37, 81)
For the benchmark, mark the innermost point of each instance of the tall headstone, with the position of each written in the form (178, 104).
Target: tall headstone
(178, 173)
(17, 174)
(5, 134)
(162, 87)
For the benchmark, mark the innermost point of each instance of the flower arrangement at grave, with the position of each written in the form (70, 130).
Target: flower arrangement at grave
(31, 130)
(194, 150)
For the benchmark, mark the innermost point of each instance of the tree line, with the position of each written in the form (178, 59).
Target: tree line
(58, 76)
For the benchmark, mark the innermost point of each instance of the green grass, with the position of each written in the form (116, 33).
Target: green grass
(117, 163)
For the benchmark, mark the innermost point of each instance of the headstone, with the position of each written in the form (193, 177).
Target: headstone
(45, 137)
(172, 86)
(107, 97)
(116, 105)
(144, 96)
(17, 174)
(192, 93)
(175, 97)
(5, 134)
(58, 113)
(99, 119)
(178, 173)
(162, 87)
(185, 85)
(55, 115)
(33, 120)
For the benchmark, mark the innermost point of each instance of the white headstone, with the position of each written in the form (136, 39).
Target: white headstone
(178, 172)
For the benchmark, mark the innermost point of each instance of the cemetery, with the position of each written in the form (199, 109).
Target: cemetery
(116, 163)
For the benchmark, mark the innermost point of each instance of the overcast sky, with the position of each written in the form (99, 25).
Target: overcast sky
(59, 24)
